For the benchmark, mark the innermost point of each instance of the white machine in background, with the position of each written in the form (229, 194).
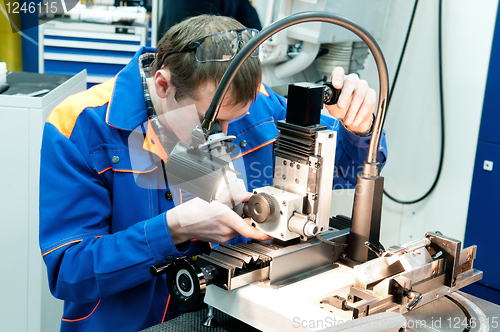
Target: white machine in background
(309, 51)
(26, 303)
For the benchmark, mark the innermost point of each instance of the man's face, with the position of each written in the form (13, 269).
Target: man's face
(227, 112)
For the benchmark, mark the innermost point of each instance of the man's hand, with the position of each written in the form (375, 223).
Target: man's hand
(210, 222)
(356, 102)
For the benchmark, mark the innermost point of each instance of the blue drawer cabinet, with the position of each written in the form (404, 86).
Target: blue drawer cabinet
(483, 222)
(67, 47)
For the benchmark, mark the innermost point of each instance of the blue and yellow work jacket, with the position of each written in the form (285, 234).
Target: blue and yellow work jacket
(103, 199)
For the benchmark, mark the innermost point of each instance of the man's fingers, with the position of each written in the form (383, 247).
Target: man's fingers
(337, 77)
(366, 110)
(357, 99)
(248, 231)
(347, 90)
(236, 194)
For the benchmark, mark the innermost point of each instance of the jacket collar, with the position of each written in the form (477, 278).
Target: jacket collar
(127, 107)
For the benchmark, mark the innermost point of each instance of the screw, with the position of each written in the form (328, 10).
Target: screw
(298, 166)
(284, 203)
(281, 212)
(330, 135)
(297, 180)
(284, 162)
(284, 176)
(291, 164)
(282, 236)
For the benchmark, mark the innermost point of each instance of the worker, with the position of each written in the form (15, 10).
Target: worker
(106, 212)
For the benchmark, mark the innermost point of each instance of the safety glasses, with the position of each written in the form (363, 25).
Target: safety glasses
(221, 46)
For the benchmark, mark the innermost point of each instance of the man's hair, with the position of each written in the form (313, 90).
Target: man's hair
(188, 75)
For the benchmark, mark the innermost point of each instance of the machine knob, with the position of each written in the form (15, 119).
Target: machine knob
(186, 280)
(331, 95)
(261, 208)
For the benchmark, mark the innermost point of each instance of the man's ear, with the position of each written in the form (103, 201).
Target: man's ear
(162, 82)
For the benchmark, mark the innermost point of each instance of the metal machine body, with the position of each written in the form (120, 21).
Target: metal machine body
(408, 277)
(242, 264)
(306, 270)
(410, 281)
(292, 211)
(302, 182)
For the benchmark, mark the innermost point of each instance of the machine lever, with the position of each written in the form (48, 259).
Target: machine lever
(376, 249)
(414, 298)
(159, 269)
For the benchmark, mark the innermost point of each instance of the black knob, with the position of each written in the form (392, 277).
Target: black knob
(187, 281)
(261, 208)
(331, 94)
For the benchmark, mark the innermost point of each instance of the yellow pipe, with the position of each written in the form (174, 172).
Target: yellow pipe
(10, 42)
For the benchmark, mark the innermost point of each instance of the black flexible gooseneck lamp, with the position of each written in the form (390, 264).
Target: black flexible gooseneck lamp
(369, 187)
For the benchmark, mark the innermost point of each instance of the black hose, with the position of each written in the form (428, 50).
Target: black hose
(441, 100)
(244, 53)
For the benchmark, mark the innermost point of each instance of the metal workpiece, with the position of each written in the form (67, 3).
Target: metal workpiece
(408, 247)
(450, 249)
